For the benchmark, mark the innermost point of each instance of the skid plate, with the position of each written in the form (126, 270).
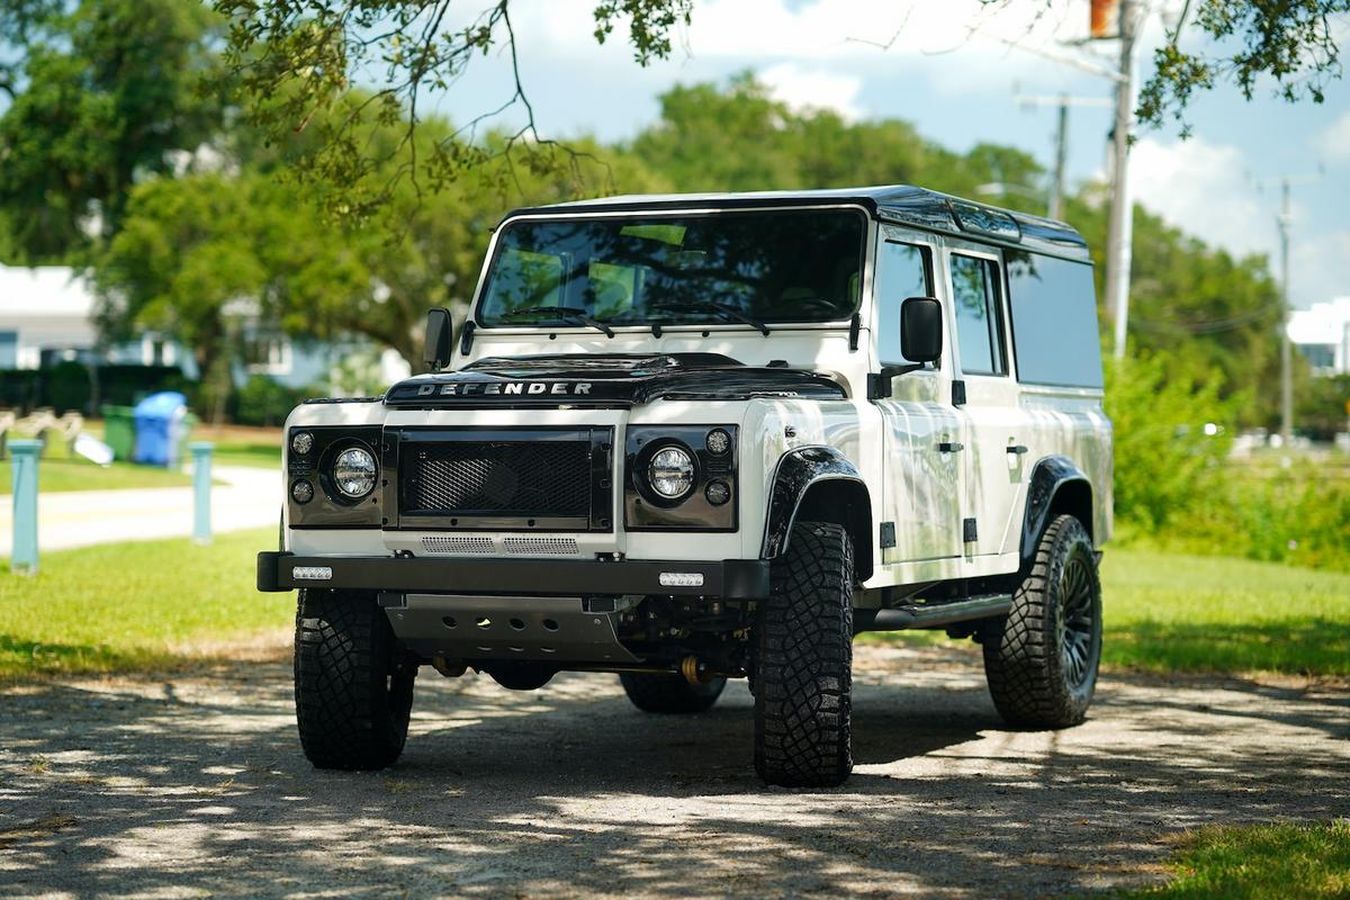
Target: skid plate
(554, 629)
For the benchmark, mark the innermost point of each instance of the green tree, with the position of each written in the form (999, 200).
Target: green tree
(101, 94)
(297, 56)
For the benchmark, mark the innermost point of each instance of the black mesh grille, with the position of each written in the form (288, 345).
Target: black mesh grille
(538, 478)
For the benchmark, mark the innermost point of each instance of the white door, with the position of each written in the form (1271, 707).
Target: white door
(921, 478)
(996, 428)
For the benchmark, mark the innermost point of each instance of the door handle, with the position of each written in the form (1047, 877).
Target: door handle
(950, 447)
(1019, 449)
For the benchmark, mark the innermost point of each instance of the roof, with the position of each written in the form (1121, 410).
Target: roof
(900, 203)
(44, 292)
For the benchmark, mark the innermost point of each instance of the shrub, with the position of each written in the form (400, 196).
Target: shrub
(1165, 462)
(68, 387)
(263, 401)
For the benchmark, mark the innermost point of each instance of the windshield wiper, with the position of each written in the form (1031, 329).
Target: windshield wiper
(730, 312)
(566, 312)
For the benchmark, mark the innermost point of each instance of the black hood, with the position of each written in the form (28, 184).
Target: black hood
(615, 380)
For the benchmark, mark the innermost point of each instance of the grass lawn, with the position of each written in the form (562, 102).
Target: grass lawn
(1171, 612)
(1282, 860)
(134, 606)
(82, 475)
(260, 455)
(1164, 612)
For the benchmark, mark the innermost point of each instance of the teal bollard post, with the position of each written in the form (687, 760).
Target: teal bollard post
(201, 491)
(24, 556)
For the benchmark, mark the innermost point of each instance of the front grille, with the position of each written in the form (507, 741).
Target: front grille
(541, 546)
(505, 479)
(460, 544)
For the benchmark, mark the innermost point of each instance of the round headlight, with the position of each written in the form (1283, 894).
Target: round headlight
(718, 441)
(354, 472)
(302, 443)
(671, 473)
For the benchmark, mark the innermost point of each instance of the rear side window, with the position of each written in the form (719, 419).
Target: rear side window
(1054, 320)
(975, 290)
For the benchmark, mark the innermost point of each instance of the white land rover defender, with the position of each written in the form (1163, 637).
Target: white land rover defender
(691, 438)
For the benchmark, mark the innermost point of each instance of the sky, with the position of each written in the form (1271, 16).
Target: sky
(947, 66)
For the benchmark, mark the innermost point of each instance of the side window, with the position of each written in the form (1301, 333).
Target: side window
(902, 271)
(979, 332)
(1054, 320)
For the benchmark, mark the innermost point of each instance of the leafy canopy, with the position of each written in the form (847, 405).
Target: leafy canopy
(298, 57)
(101, 93)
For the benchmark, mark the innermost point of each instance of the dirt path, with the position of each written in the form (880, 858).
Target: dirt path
(196, 785)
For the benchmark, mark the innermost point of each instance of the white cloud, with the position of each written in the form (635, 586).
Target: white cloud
(804, 89)
(1203, 188)
(1320, 266)
(882, 33)
(1333, 143)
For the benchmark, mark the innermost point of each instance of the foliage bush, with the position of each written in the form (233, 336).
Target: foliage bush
(1176, 486)
(1164, 460)
(69, 387)
(263, 401)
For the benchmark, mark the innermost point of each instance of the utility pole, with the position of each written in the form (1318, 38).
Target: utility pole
(1055, 208)
(1120, 225)
(1284, 220)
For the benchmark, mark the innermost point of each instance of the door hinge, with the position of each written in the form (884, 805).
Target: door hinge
(887, 534)
(971, 532)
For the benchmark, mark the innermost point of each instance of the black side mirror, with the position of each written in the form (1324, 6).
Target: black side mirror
(921, 329)
(920, 342)
(436, 354)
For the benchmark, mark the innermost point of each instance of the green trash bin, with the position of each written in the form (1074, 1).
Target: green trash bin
(119, 430)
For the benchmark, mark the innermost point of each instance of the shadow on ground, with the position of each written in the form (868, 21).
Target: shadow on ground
(197, 784)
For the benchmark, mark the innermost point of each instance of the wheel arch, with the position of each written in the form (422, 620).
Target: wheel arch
(819, 484)
(1057, 487)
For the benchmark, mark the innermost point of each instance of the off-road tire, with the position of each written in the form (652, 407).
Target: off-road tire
(353, 682)
(1035, 679)
(803, 661)
(670, 694)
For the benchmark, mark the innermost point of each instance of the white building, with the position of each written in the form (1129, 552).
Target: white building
(1322, 334)
(47, 315)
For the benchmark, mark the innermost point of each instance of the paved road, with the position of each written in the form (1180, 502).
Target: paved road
(195, 784)
(250, 498)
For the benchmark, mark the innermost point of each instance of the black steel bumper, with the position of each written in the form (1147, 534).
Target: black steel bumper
(732, 579)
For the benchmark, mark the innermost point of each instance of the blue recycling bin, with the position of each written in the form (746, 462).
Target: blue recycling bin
(161, 420)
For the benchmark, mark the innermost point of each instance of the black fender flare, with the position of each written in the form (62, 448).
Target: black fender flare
(1051, 475)
(798, 471)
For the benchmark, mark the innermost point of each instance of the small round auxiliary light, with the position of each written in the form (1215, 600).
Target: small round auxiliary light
(302, 492)
(718, 441)
(302, 443)
(717, 492)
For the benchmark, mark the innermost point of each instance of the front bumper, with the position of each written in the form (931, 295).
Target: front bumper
(731, 579)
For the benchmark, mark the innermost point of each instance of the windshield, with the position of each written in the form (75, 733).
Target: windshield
(729, 268)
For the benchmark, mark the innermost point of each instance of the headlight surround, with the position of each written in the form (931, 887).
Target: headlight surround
(671, 472)
(668, 469)
(353, 472)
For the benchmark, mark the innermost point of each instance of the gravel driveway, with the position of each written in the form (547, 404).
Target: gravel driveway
(195, 784)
